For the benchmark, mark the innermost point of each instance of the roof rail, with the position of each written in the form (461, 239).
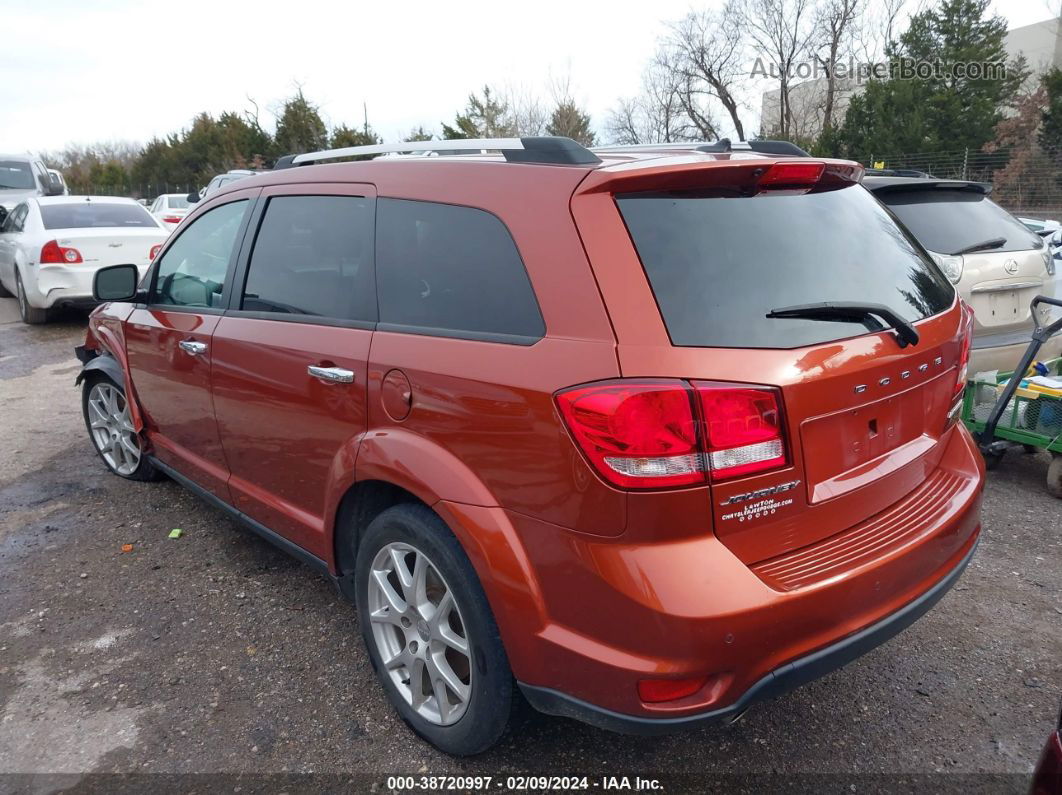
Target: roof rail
(553, 149)
(721, 146)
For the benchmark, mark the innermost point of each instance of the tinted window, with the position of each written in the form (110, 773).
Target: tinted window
(718, 265)
(451, 269)
(947, 221)
(16, 174)
(192, 271)
(313, 256)
(82, 215)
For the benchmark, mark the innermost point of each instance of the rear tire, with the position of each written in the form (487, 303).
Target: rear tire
(31, 315)
(419, 604)
(1054, 476)
(110, 429)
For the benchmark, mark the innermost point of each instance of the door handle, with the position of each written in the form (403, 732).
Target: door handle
(192, 347)
(331, 375)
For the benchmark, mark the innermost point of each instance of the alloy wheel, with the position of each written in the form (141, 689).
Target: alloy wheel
(419, 634)
(111, 428)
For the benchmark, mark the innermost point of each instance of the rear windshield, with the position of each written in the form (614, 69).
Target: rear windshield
(177, 202)
(87, 214)
(948, 221)
(718, 265)
(16, 174)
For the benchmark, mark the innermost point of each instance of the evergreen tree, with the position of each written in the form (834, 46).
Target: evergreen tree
(569, 120)
(944, 109)
(1050, 135)
(300, 127)
(485, 117)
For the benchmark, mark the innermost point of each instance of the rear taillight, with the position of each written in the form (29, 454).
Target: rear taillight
(651, 434)
(637, 434)
(171, 219)
(744, 429)
(155, 251)
(54, 254)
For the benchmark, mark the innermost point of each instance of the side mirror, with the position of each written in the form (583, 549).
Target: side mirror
(55, 185)
(115, 283)
(193, 197)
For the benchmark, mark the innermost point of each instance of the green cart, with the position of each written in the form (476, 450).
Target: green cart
(1007, 413)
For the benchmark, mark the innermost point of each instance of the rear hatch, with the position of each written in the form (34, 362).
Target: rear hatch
(103, 233)
(863, 415)
(997, 263)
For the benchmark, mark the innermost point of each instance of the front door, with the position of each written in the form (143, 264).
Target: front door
(168, 342)
(290, 356)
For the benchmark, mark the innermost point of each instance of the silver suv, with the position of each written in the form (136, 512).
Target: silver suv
(25, 176)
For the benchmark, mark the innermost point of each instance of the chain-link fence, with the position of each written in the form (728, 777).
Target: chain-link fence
(1026, 181)
(134, 191)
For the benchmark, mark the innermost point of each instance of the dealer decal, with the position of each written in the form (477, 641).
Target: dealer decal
(757, 510)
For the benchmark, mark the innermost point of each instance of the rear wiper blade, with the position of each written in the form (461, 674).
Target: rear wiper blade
(845, 312)
(984, 245)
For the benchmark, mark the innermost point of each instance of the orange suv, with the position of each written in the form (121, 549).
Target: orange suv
(641, 435)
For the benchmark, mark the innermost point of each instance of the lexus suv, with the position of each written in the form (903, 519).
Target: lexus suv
(997, 263)
(641, 437)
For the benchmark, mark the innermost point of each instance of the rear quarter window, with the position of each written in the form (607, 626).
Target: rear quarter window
(718, 264)
(452, 271)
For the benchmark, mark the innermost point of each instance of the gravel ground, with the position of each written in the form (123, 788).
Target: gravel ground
(216, 654)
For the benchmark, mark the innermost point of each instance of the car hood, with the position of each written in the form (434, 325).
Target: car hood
(9, 197)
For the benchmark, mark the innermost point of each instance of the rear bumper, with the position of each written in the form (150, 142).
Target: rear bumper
(60, 285)
(791, 675)
(1005, 356)
(607, 614)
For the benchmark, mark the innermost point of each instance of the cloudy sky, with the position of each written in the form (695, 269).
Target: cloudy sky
(96, 70)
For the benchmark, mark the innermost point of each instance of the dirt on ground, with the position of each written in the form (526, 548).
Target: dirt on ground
(214, 654)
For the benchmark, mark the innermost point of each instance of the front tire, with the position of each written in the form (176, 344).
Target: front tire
(110, 428)
(430, 633)
(31, 315)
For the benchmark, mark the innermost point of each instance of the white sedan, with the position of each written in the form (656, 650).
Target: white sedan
(170, 208)
(51, 247)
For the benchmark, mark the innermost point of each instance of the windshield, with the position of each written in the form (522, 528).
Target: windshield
(16, 175)
(948, 221)
(177, 202)
(89, 215)
(717, 265)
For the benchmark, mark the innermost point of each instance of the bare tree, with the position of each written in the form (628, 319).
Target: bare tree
(705, 49)
(781, 29)
(656, 115)
(527, 115)
(834, 20)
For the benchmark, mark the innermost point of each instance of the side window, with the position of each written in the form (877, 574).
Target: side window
(313, 256)
(451, 269)
(16, 220)
(11, 221)
(192, 271)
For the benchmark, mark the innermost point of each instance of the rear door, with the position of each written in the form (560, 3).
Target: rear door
(863, 418)
(168, 341)
(290, 355)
